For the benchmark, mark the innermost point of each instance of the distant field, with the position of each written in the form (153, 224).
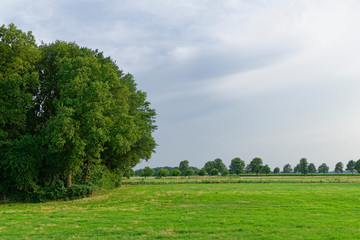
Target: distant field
(272, 210)
(318, 178)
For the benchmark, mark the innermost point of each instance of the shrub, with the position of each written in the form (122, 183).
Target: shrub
(147, 172)
(189, 172)
(162, 173)
(225, 172)
(202, 172)
(175, 172)
(214, 172)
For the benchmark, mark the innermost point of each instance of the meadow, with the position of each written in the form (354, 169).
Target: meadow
(248, 210)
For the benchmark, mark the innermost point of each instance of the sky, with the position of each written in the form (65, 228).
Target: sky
(279, 79)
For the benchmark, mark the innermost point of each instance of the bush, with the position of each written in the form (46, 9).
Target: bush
(189, 172)
(79, 191)
(162, 173)
(202, 172)
(147, 172)
(175, 172)
(214, 172)
(225, 172)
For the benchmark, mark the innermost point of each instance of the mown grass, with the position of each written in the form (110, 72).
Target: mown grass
(194, 211)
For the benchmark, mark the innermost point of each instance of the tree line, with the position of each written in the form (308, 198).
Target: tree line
(68, 115)
(238, 166)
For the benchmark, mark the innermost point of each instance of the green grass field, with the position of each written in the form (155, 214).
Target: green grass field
(272, 210)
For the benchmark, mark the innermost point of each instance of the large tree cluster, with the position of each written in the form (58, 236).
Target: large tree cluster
(66, 112)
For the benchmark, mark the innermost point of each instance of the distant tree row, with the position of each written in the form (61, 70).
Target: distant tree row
(238, 166)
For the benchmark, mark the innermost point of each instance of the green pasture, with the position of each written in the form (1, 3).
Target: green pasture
(318, 178)
(272, 210)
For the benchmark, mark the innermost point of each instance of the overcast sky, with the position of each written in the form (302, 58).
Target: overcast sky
(279, 79)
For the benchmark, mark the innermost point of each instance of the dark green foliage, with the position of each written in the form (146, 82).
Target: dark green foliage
(162, 173)
(217, 163)
(237, 166)
(339, 167)
(208, 166)
(255, 165)
(201, 172)
(312, 168)
(147, 172)
(175, 172)
(183, 166)
(20, 161)
(67, 114)
(303, 166)
(265, 169)
(357, 166)
(287, 168)
(189, 172)
(214, 172)
(296, 168)
(323, 168)
(276, 170)
(19, 57)
(350, 166)
(225, 172)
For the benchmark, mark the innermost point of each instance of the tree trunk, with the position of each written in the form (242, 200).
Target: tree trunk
(68, 179)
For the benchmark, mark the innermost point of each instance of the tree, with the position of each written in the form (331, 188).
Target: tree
(351, 166)
(76, 106)
(18, 81)
(202, 172)
(225, 172)
(312, 168)
(339, 167)
(296, 168)
(287, 168)
(276, 170)
(265, 169)
(208, 166)
(219, 165)
(189, 172)
(183, 166)
(237, 166)
(255, 165)
(357, 166)
(323, 168)
(147, 172)
(214, 172)
(303, 166)
(162, 173)
(175, 172)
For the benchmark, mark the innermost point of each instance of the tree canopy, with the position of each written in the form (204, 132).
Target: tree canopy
(69, 109)
(237, 166)
(256, 165)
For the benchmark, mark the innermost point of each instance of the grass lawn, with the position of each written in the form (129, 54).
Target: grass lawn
(194, 211)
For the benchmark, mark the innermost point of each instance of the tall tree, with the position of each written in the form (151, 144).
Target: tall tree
(276, 170)
(265, 169)
(183, 166)
(303, 166)
(296, 168)
(237, 166)
(339, 167)
(312, 168)
(18, 81)
(208, 166)
(350, 166)
(255, 165)
(323, 168)
(357, 166)
(287, 168)
(219, 165)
